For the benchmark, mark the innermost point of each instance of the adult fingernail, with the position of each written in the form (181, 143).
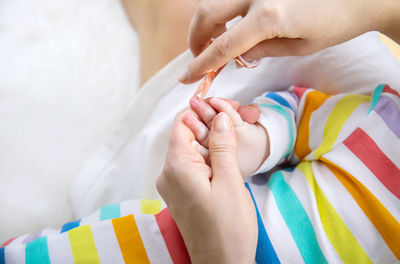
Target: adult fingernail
(222, 123)
(184, 76)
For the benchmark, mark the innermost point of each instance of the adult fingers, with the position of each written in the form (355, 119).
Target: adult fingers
(209, 21)
(201, 149)
(276, 47)
(232, 43)
(222, 151)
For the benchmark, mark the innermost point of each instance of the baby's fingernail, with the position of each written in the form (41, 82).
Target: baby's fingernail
(222, 123)
(214, 100)
(184, 76)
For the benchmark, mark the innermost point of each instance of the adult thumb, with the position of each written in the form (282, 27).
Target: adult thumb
(222, 150)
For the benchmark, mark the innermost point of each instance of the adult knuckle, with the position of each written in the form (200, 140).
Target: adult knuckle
(203, 8)
(222, 46)
(221, 149)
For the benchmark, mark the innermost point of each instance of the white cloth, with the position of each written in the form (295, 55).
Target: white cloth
(68, 72)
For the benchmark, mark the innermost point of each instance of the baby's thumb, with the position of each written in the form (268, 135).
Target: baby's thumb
(222, 150)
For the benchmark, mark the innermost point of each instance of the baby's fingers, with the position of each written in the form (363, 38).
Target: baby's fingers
(223, 106)
(198, 128)
(203, 110)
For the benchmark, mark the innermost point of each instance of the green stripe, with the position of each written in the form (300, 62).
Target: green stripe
(110, 212)
(375, 96)
(280, 109)
(296, 219)
(37, 252)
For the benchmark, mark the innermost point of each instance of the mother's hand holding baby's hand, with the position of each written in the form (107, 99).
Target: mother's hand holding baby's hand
(210, 204)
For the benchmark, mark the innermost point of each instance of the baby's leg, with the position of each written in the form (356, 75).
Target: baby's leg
(162, 28)
(118, 233)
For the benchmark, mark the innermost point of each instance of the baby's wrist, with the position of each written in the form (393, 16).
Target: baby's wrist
(263, 148)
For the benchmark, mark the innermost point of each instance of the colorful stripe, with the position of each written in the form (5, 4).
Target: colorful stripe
(299, 91)
(387, 89)
(2, 256)
(336, 120)
(110, 211)
(8, 242)
(279, 99)
(37, 252)
(129, 240)
(71, 225)
(338, 233)
(151, 207)
(313, 101)
(380, 217)
(283, 111)
(82, 245)
(375, 96)
(389, 111)
(296, 219)
(375, 160)
(172, 237)
(32, 237)
(265, 252)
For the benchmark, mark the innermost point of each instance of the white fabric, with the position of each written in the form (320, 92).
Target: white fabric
(139, 144)
(68, 72)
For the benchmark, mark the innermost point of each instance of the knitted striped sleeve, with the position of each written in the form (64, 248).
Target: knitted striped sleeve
(279, 111)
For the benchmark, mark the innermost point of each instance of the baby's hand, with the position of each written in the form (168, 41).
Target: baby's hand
(252, 139)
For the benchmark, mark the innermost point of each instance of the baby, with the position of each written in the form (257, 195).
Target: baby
(335, 200)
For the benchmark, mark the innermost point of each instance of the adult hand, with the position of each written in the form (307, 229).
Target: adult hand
(210, 204)
(279, 28)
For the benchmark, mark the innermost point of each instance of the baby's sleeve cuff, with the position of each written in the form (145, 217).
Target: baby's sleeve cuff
(277, 122)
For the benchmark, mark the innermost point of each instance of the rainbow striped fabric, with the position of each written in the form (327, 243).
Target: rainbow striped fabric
(336, 199)
(119, 233)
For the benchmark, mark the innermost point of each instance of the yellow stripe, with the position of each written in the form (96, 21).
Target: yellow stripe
(150, 206)
(393, 46)
(313, 101)
(82, 245)
(129, 240)
(345, 244)
(379, 216)
(337, 118)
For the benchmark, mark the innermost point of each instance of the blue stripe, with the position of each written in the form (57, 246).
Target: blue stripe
(109, 212)
(68, 226)
(2, 256)
(279, 99)
(284, 112)
(265, 252)
(375, 96)
(37, 252)
(296, 219)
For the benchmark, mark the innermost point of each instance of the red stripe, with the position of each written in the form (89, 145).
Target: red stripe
(172, 237)
(8, 242)
(377, 162)
(299, 91)
(387, 89)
